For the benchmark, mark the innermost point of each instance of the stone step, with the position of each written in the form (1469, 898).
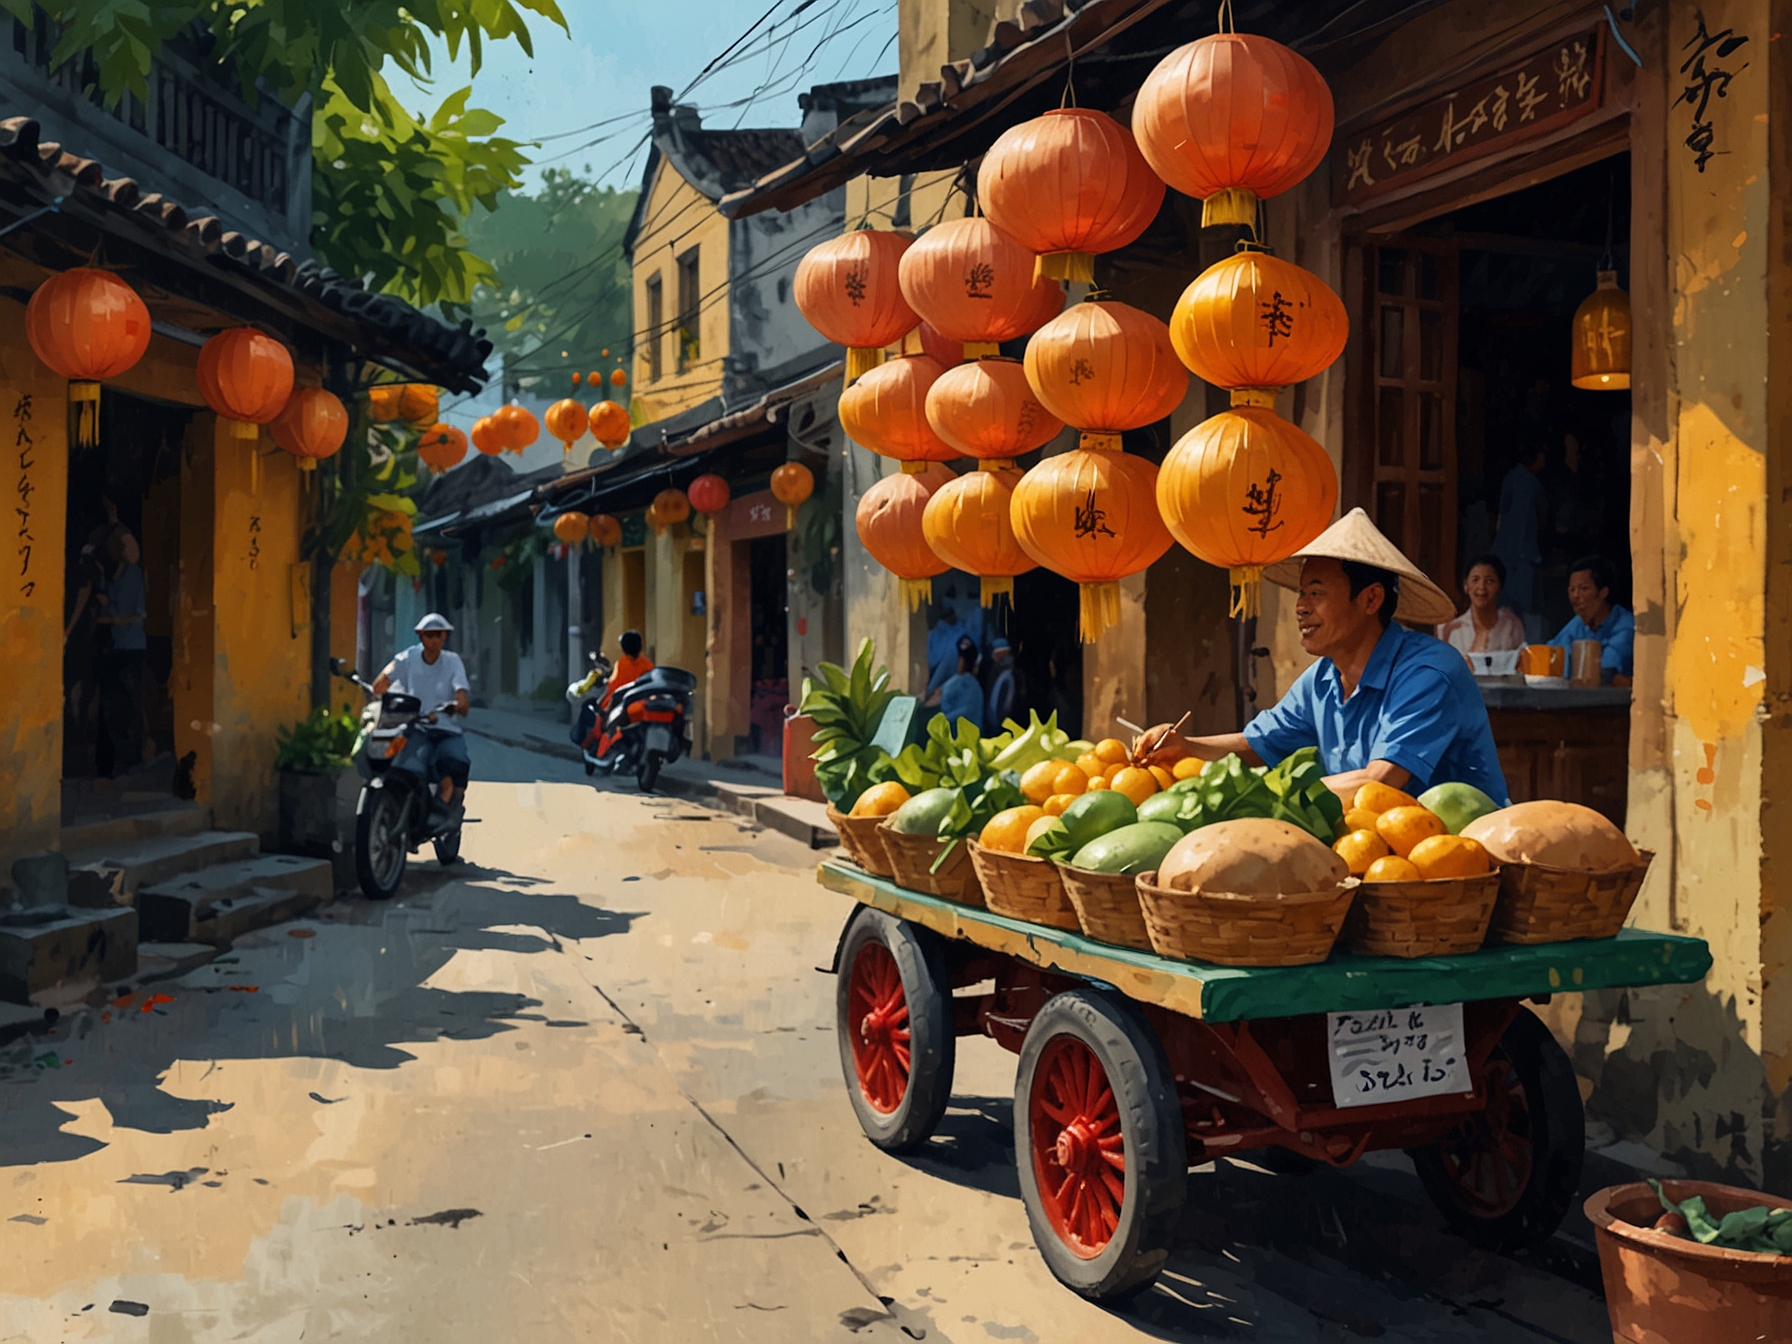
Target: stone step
(776, 810)
(175, 818)
(112, 876)
(58, 955)
(217, 904)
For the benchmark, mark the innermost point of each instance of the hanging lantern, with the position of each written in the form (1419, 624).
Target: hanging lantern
(848, 290)
(609, 424)
(1232, 118)
(1600, 361)
(517, 426)
(245, 377)
(618, 378)
(669, 508)
(968, 524)
(1067, 185)
(889, 520)
(605, 531)
(886, 411)
(1104, 366)
(973, 283)
(443, 446)
(949, 354)
(986, 409)
(312, 426)
(487, 436)
(709, 494)
(419, 403)
(1245, 489)
(577, 378)
(1254, 320)
(567, 421)
(595, 379)
(572, 527)
(87, 325)
(382, 402)
(792, 484)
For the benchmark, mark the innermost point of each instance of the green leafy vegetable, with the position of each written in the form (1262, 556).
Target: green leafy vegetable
(1759, 1229)
(948, 759)
(1020, 749)
(1293, 791)
(847, 708)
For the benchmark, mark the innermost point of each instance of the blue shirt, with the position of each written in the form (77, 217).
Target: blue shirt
(125, 597)
(1617, 635)
(962, 698)
(1417, 707)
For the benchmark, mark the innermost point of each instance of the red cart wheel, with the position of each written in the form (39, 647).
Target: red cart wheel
(1507, 1175)
(893, 1019)
(1099, 1143)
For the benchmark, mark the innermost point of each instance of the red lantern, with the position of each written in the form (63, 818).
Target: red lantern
(1067, 185)
(886, 411)
(709, 494)
(792, 483)
(87, 325)
(949, 354)
(890, 524)
(848, 289)
(246, 377)
(312, 426)
(618, 378)
(973, 283)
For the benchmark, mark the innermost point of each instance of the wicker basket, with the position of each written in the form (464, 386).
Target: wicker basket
(1107, 907)
(859, 838)
(1294, 929)
(1553, 905)
(1435, 917)
(911, 863)
(1022, 888)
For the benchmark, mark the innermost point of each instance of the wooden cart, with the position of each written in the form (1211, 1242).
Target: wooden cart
(1133, 1066)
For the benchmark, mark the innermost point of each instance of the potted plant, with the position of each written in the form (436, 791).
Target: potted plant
(318, 789)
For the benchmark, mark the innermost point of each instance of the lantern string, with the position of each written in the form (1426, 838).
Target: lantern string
(1227, 24)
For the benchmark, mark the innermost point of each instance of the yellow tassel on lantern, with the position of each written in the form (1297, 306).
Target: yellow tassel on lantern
(1076, 267)
(1234, 205)
(85, 397)
(1247, 591)
(981, 349)
(992, 588)
(1098, 609)
(916, 591)
(860, 360)
(1262, 397)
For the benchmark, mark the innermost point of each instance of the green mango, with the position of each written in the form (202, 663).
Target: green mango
(1162, 807)
(1457, 805)
(922, 814)
(1138, 848)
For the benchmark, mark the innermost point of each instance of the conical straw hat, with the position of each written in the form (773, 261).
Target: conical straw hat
(1354, 537)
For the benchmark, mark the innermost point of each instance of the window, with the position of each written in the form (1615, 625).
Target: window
(656, 319)
(690, 348)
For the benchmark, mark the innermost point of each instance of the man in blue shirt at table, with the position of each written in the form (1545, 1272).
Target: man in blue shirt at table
(1383, 702)
(1596, 616)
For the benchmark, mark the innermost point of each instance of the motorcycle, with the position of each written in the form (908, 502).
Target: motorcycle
(645, 726)
(398, 810)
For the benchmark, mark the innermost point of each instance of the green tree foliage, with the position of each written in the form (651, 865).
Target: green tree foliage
(390, 188)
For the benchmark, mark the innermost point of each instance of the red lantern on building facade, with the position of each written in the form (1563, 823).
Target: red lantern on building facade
(709, 494)
(246, 377)
(87, 325)
(312, 426)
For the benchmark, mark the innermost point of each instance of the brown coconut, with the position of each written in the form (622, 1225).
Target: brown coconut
(1252, 857)
(1555, 835)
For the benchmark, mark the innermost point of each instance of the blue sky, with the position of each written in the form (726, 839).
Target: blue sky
(616, 53)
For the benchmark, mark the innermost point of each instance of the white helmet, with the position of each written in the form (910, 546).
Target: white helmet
(434, 621)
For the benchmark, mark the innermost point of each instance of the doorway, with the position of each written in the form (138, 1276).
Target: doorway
(769, 587)
(1041, 625)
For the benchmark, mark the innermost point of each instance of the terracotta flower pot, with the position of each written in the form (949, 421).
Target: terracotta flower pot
(1663, 1289)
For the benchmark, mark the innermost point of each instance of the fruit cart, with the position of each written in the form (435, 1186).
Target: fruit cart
(1135, 1066)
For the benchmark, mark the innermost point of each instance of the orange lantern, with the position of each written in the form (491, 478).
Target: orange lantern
(419, 403)
(968, 524)
(1231, 118)
(567, 420)
(488, 438)
(792, 484)
(669, 508)
(889, 520)
(950, 354)
(605, 530)
(517, 426)
(886, 411)
(1104, 367)
(609, 424)
(572, 527)
(973, 283)
(986, 409)
(245, 377)
(382, 402)
(618, 378)
(1254, 320)
(577, 378)
(311, 426)
(595, 379)
(443, 446)
(849, 291)
(709, 494)
(87, 325)
(1245, 489)
(1067, 185)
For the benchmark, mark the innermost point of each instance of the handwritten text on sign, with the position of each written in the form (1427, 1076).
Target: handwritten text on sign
(1552, 87)
(1397, 1054)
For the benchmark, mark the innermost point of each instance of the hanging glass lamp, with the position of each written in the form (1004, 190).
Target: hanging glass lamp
(1601, 356)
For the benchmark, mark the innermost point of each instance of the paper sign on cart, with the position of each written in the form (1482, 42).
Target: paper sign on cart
(1397, 1054)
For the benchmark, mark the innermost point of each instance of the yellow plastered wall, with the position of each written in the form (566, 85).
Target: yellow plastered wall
(677, 219)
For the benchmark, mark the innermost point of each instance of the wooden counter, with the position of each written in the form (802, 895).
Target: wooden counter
(1572, 743)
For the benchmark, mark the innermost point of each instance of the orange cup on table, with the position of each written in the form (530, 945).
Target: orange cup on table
(1543, 660)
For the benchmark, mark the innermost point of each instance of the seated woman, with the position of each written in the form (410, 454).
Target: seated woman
(1486, 627)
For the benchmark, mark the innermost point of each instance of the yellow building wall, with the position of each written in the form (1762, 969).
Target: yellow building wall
(677, 219)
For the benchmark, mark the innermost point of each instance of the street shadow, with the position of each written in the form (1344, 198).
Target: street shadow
(973, 1146)
(351, 984)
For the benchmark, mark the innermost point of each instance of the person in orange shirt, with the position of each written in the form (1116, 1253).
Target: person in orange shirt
(631, 665)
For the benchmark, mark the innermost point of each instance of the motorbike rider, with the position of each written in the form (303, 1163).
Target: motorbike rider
(436, 676)
(631, 665)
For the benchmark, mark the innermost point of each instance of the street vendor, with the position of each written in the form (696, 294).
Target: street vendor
(1382, 702)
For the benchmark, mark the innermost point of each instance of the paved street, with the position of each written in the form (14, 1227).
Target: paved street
(586, 1088)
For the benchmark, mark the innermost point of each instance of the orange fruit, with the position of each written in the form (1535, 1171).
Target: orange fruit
(880, 800)
(1136, 783)
(1392, 868)
(1098, 782)
(1112, 751)
(1359, 849)
(1163, 777)
(1404, 827)
(1378, 798)
(1090, 764)
(1037, 829)
(1007, 831)
(1069, 779)
(1450, 856)
(1055, 805)
(1036, 783)
(1188, 767)
(1360, 819)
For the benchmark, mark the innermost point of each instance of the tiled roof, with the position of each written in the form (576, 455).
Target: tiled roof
(454, 357)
